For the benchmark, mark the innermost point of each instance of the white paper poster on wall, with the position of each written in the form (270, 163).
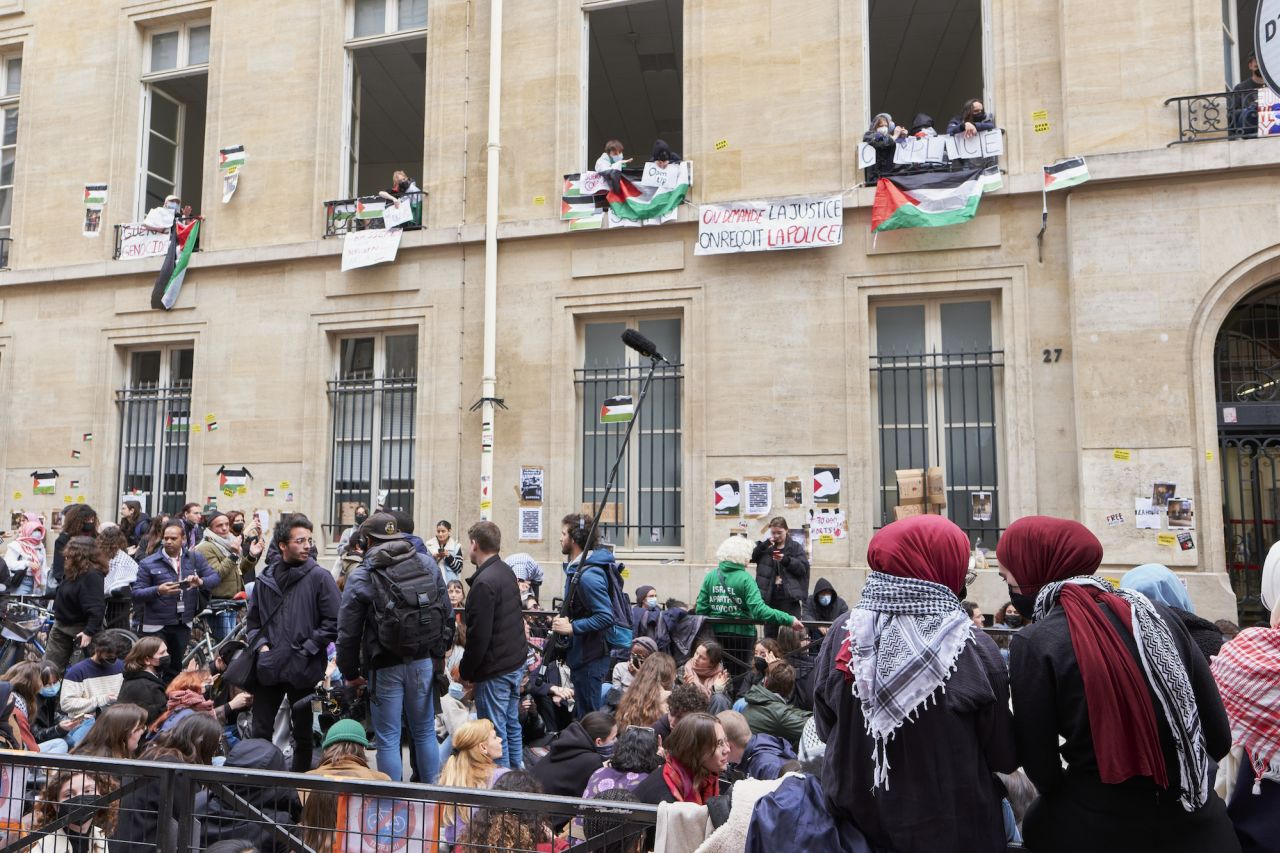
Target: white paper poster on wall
(367, 248)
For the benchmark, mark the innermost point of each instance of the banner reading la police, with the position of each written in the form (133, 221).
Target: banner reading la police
(798, 222)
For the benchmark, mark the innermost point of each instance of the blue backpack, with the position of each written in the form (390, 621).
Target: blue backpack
(619, 635)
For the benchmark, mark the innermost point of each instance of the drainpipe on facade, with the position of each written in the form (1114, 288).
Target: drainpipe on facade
(489, 380)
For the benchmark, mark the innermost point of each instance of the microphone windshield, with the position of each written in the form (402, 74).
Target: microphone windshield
(641, 344)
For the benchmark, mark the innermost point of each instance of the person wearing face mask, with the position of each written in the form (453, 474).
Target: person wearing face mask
(74, 795)
(649, 620)
(1009, 618)
(1112, 686)
(25, 557)
(404, 190)
(626, 670)
(823, 606)
(168, 589)
(142, 684)
(573, 755)
(883, 135)
(252, 546)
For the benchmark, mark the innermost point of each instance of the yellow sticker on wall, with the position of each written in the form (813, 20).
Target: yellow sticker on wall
(486, 505)
(1121, 455)
(827, 539)
(284, 484)
(209, 418)
(1208, 455)
(722, 144)
(539, 200)
(1040, 127)
(1166, 539)
(79, 499)
(1040, 121)
(66, 499)
(17, 496)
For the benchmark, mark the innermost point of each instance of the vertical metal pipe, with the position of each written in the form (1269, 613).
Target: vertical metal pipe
(493, 149)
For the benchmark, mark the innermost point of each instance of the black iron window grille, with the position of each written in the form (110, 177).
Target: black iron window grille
(943, 409)
(645, 507)
(155, 428)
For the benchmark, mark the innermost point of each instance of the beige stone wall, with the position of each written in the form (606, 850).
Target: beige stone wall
(1138, 267)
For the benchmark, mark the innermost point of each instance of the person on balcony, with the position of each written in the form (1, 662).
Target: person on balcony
(663, 155)
(1243, 103)
(612, 159)
(973, 119)
(883, 135)
(404, 189)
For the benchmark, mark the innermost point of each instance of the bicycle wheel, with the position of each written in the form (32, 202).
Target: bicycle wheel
(11, 653)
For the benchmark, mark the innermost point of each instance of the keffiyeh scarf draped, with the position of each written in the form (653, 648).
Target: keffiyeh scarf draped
(905, 636)
(1248, 674)
(1101, 668)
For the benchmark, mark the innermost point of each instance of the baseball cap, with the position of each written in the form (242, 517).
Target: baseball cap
(381, 525)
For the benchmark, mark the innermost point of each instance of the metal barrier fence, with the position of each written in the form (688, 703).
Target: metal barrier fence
(147, 805)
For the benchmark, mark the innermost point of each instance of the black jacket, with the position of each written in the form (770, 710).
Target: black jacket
(570, 760)
(280, 806)
(793, 568)
(942, 795)
(1205, 634)
(146, 691)
(81, 602)
(495, 628)
(358, 650)
(298, 636)
(815, 612)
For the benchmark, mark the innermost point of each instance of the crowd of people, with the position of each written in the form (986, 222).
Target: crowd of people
(1112, 718)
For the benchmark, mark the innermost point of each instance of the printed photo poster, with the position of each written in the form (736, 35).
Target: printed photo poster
(793, 493)
(386, 825)
(826, 485)
(95, 198)
(980, 506)
(531, 478)
(1162, 493)
(727, 499)
(1181, 513)
(530, 524)
(759, 496)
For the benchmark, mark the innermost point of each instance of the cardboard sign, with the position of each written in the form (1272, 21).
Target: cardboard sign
(986, 143)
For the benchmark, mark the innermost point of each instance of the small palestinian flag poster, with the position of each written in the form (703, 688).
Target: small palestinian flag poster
(44, 482)
(1065, 173)
(268, 492)
(233, 481)
(617, 410)
(75, 484)
(230, 162)
(727, 498)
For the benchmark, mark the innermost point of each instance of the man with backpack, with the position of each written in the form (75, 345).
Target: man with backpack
(494, 657)
(598, 620)
(392, 621)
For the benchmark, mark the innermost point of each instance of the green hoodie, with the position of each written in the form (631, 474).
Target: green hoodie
(728, 591)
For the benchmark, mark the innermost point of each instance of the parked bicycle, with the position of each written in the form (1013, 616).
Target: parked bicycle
(203, 650)
(25, 627)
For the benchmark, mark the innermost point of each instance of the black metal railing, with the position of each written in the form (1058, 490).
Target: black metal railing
(871, 174)
(372, 444)
(342, 216)
(645, 507)
(135, 240)
(6, 243)
(943, 410)
(173, 808)
(155, 430)
(1217, 115)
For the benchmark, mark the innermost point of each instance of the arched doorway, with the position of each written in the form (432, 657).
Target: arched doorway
(1247, 384)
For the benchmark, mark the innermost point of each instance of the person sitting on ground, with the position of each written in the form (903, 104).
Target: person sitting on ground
(685, 699)
(512, 829)
(635, 756)
(645, 701)
(624, 672)
(26, 679)
(1162, 586)
(94, 683)
(142, 684)
(278, 805)
(602, 821)
(184, 696)
(768, 710)
(697, 752)
(345, 757)
(794, 646)
(706, 671)
(825, 605)
(474, 764)
(116, 733)
(576, 753)
(757, 755)
(70, 793)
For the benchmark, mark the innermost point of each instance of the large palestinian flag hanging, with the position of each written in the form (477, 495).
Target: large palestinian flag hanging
(182, 242)
(927, 200)
(637, 203)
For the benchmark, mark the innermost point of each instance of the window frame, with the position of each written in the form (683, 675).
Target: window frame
(9, 102)
(390, 24)
(182, 64)
(159, 448)
(632, 543)
(182, 69)
(936, 442)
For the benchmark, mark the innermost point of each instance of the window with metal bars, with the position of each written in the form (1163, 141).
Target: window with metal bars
(155, 427)
(936, 379)
(644, 510)
(373, 400)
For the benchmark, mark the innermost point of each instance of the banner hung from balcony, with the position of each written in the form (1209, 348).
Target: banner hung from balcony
(651, 197)
(929, 199)
(183, 238)
(770, 225)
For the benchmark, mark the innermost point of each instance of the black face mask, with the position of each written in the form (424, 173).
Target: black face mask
(1025, 604)
(760, 664)
(403, 186)
(1013, 620)
(238, 527)
(80, 808)
(90, 528)
(361, 518)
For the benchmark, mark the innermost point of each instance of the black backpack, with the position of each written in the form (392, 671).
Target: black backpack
(405, 608)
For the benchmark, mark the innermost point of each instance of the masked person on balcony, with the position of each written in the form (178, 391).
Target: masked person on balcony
(1243, 102)
(1113, 687)
(610, 164)
(883, 135)
(404, 190)
(782, 572)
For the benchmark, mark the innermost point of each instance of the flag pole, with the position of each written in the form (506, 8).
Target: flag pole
(1044, 217)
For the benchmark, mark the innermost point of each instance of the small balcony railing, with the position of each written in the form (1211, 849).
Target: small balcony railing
(5, 244)
(1225, 115)
(938, 160)
(135, 240)
(345, 215)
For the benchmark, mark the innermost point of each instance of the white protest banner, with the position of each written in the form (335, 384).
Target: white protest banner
(927, 149)
(397, 214)
(385, 825)
(866, 156)
(366, 248)
(826, 525)
(798, 222)
(1268, 112)
(656, 176)
(139, 241)
(986, 143)
(593, 182)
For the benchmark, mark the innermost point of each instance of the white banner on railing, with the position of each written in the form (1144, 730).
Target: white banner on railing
(139, 241)
(366, 248)
(768, 225)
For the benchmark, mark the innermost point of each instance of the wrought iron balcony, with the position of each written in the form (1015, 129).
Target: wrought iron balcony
(1221, 115)
(343, 216)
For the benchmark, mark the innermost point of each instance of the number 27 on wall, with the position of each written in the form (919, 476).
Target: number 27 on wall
(1051, 356)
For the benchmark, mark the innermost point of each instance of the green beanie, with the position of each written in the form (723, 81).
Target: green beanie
(346, 731)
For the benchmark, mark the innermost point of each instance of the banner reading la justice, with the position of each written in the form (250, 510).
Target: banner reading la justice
(798, 222)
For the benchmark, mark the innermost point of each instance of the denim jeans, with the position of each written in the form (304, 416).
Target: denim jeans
(221, 624)
(586, 681)
(401, 692)
(78, 733)
(498, 700)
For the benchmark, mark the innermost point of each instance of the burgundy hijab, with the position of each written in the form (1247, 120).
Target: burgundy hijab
(1039, 550)
(924, 547)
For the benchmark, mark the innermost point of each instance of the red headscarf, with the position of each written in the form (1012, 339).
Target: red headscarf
(1039, 550)
(924, 547)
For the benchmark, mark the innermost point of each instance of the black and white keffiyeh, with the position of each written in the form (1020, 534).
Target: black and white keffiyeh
(905, 636)
(1166, 673)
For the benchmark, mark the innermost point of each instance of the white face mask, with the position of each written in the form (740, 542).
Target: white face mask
(171, 205)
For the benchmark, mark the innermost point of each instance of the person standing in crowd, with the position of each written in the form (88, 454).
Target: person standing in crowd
(221, 549)
(24, 557)
(404, 521)
(974, 612)
(697, 752)
(447, 551)
(494, 657)
(782, 572)
(1008, 617)
(78, 520)
(1247, 672)
(79, 604)
(168, 586)
(122, 571)
(292, 618)
(1162, 586)
(1111, 685)
(825, 605)
(361, 515)
(590, 611)
(399, 676)
(729, 592)
(192, 525)
(134, 522)
(251, 544)
(912, 701)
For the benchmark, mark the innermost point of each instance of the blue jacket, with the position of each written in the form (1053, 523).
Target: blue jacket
(590, 610)
(765, 755)
(160, 609)
(794, 816)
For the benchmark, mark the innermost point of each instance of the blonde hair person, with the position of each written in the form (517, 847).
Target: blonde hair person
(476, 748)
(645, 701)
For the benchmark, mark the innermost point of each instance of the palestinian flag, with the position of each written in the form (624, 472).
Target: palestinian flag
(174, 422)
(182, 242)
(231, 158)
(369, 209)
(44, 482)
(617, 410)
(991, 179)
(640, 203)
(95, 193)
(1065, 173)
(926, 200)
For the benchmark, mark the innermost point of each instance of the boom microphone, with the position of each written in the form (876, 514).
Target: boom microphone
(641, 344)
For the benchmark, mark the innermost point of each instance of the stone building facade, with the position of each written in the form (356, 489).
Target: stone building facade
(1094, 356)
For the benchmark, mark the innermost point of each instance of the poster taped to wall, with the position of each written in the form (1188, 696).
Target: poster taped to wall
(531, 484)
(530, 524)
(727, 499)
(759, 496)
(826, 485)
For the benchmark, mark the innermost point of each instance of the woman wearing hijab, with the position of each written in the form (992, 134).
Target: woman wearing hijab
(1120, 682)
(25, 557)
(913, 702)
(1248, 675)
(1162, 586)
